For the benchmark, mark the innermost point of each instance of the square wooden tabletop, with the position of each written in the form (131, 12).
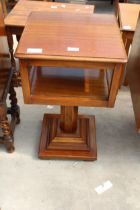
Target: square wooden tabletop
(70, 36)
(19, 14)
(128, 16)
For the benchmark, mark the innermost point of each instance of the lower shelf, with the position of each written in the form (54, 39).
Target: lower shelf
(50, 85)
(80, 145)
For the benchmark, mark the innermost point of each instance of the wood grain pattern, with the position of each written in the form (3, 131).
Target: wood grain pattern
(133, 70)
(19, 14)
(59, 32)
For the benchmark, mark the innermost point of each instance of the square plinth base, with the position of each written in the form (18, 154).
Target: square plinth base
(56, 144)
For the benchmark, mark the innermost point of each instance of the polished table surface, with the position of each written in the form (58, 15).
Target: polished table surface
(93, 37)
(74, 60)
(19, 14)
(128, 16)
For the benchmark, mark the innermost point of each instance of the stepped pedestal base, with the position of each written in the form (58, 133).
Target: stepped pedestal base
(79, 143)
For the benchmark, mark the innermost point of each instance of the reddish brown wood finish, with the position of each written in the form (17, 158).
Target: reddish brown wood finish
(19, 14)
(15, 21)
(133, 69)
(56, 144)
(68, 121)
(55, 77)
(66, 30)
(69, 86)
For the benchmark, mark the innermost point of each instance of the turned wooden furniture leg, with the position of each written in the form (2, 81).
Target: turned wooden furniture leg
(16, 75)
(11, 47)
(14, 110)
(8, 138)
(7, 68)
(8, 126)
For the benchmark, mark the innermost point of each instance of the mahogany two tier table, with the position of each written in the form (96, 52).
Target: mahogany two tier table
(73, 60)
